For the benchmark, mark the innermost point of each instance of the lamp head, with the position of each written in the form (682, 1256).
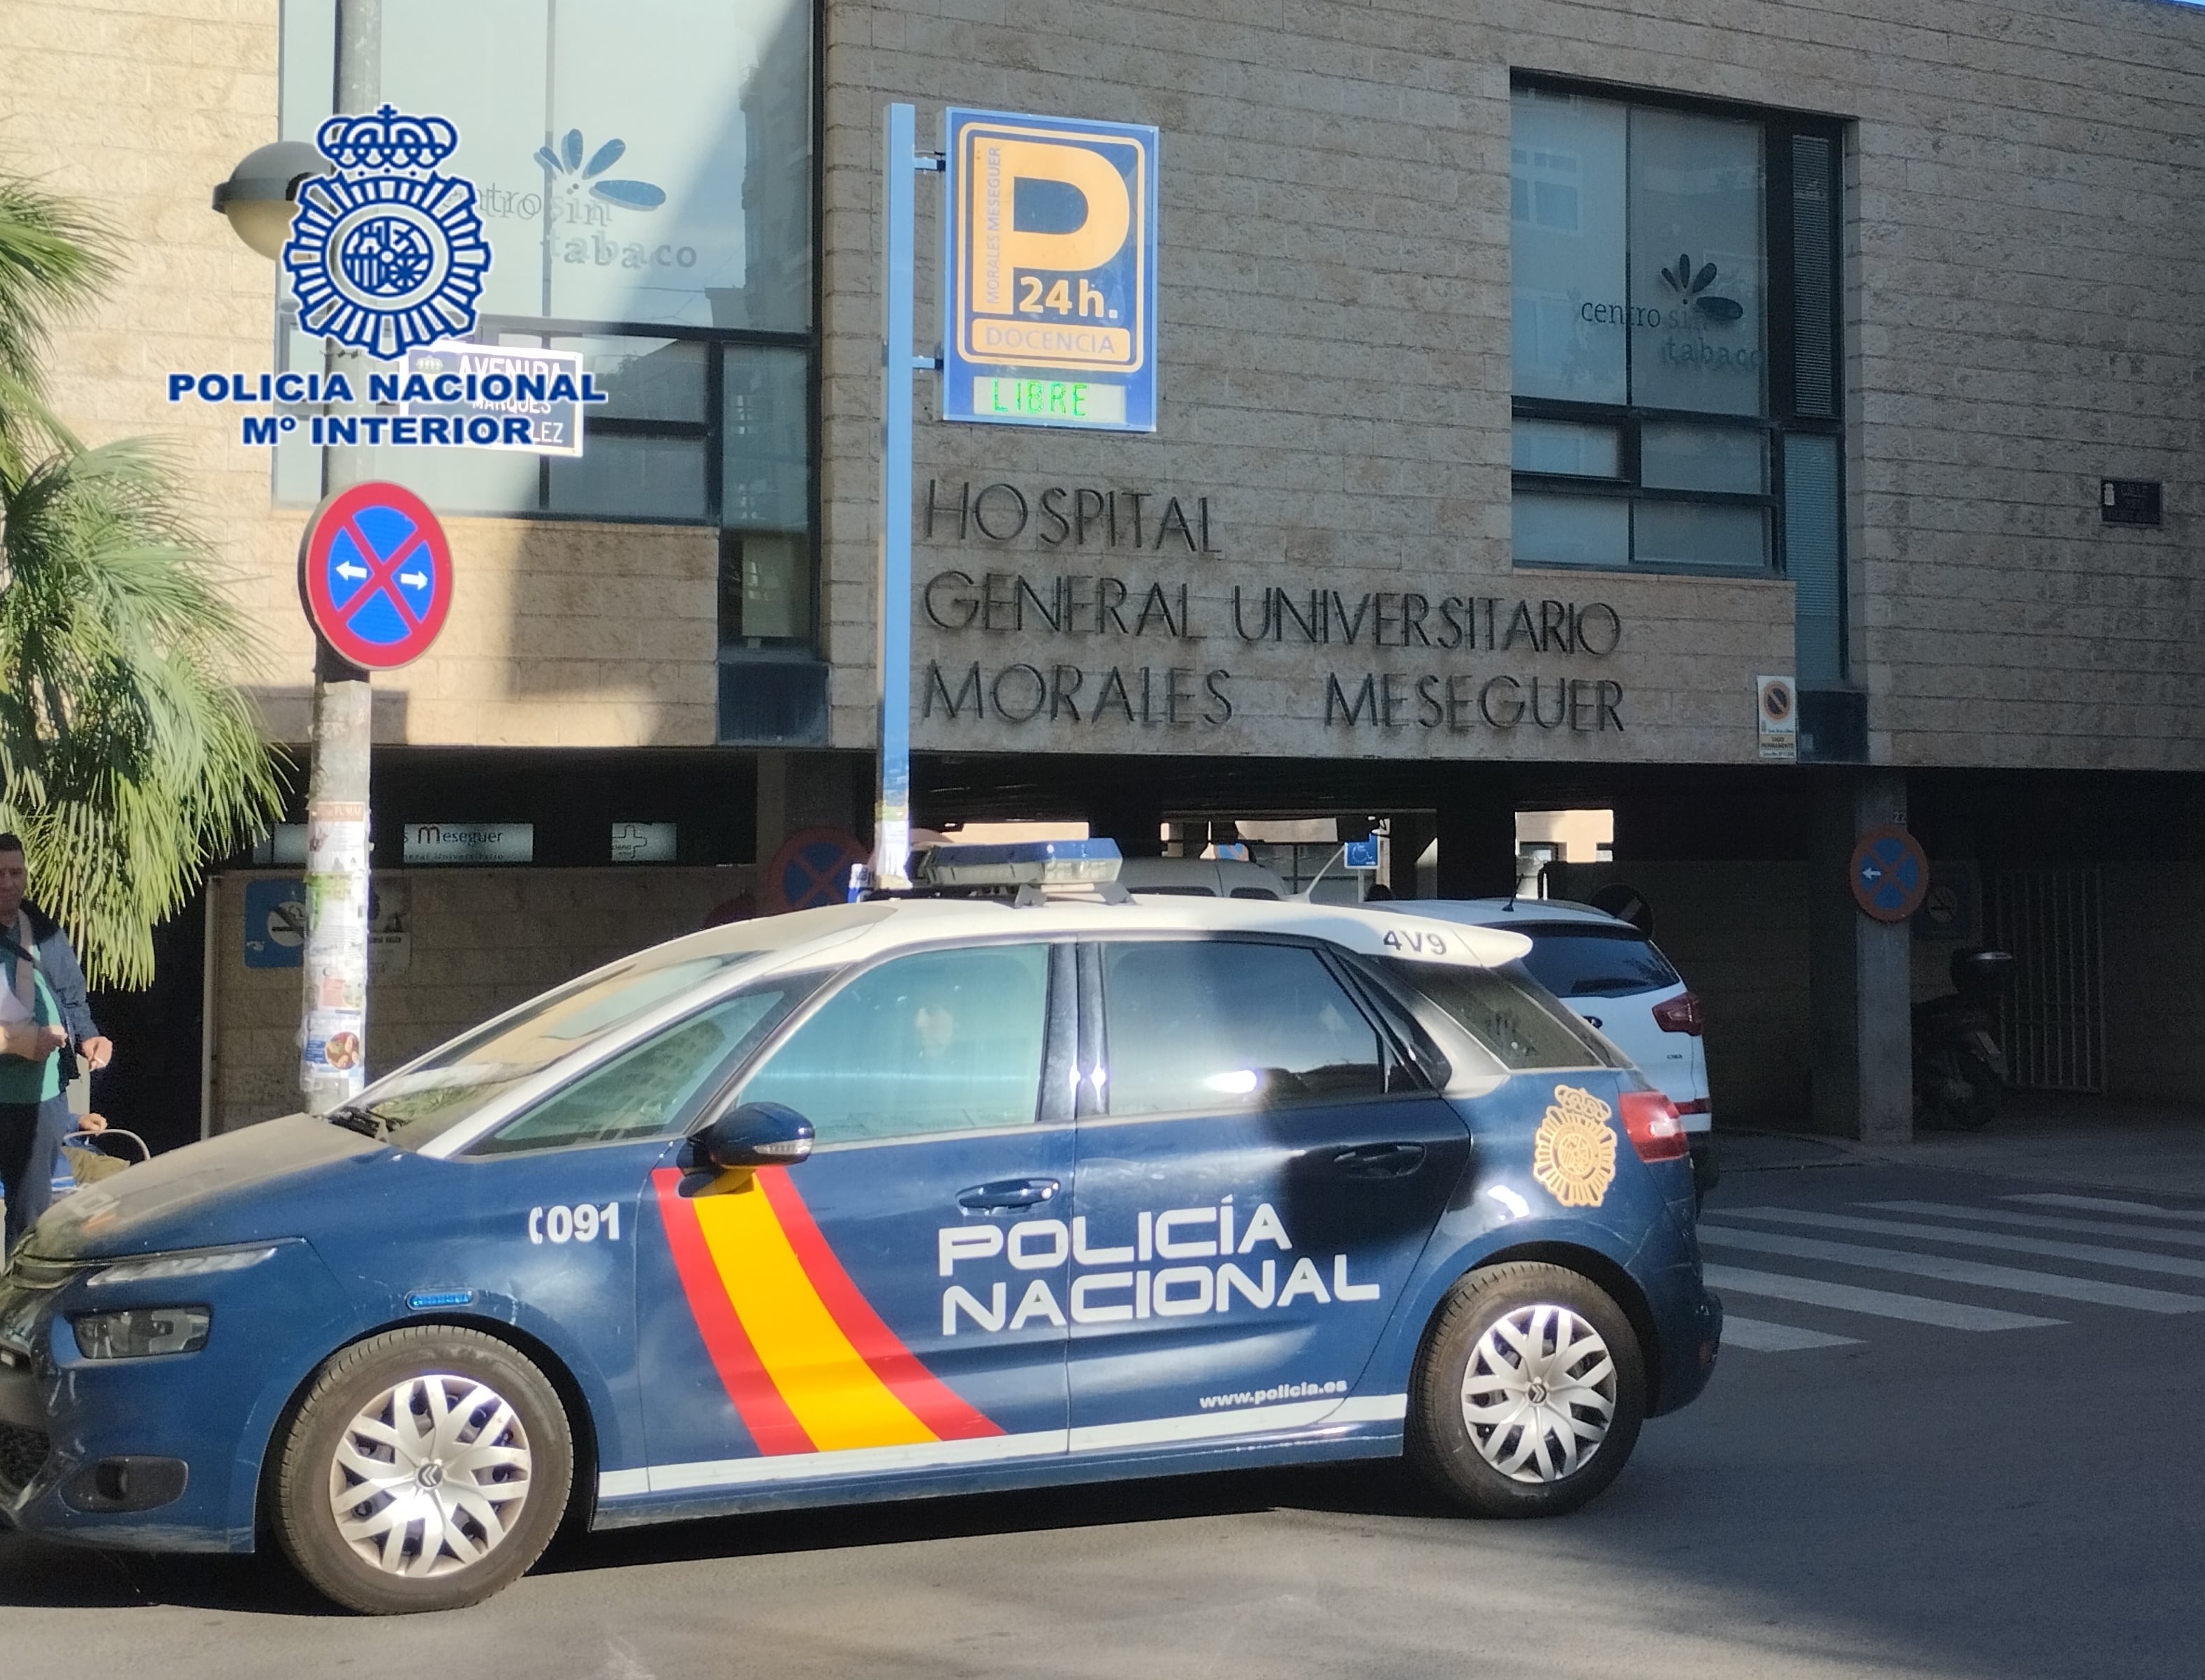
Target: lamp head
(262, 193)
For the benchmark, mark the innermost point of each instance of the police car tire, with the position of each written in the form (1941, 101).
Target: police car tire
(1439, 1437)
(304, 1525)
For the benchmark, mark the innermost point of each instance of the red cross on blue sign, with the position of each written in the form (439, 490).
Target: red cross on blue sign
(375, 575)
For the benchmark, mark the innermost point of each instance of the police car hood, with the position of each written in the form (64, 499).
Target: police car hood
(239, 1188)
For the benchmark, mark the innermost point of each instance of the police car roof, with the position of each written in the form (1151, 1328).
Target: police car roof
(1500, 911)
(844, 934)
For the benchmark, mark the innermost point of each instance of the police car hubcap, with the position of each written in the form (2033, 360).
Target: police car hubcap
(430, 1476)
(1539, 1393)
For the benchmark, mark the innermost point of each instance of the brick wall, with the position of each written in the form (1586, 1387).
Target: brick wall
(478, 941)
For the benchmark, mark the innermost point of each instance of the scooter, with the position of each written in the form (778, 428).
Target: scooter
(1959, 1069)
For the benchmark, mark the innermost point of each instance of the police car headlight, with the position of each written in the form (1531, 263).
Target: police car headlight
(141, 1333)
(180, 1266)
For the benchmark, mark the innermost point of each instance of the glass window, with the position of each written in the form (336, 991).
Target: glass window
(1644, 297)
(1576, 959)
(766, 588)
(1565, 210)
(1570, 530)
(1696, 262)
(946, 1040)
(765, 441)
(637, 160)
(644, 172)
(653, 1089)
(1211, 1026)
(1703, 457)
(1506, 1011)
(622, 477)
(1701, 533)
(1556, 446)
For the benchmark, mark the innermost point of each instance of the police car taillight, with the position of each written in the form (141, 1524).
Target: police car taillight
(1655, 1129)
(1022, 863)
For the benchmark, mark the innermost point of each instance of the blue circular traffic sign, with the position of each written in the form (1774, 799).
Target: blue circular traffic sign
(375, 575)
(1890, 874)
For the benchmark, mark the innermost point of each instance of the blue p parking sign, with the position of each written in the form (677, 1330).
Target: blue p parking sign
(1051, 273)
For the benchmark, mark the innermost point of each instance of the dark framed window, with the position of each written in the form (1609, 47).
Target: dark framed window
(644, 171)
(1674, 291)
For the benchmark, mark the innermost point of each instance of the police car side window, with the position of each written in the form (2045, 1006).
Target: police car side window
(942, 1041)
(1208, 1027)
(1506, 1011)
(651, 1090)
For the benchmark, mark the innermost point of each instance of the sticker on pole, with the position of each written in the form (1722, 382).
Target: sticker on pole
(1051, 238)
(1890, 874)
(375, 575)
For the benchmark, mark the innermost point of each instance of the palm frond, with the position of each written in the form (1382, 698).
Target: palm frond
(130, 760)
(55, 259)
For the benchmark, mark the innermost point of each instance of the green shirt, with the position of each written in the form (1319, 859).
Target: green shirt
(27, 1081)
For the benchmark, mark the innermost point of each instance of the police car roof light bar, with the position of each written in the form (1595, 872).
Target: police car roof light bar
(1036, 863)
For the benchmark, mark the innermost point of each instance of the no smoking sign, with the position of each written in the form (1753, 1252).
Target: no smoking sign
(375, 575)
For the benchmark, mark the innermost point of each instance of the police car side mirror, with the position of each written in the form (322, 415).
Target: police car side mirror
(753, 1134)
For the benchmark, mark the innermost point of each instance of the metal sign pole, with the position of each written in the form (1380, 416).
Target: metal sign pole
(892, 812)
(333, 1025)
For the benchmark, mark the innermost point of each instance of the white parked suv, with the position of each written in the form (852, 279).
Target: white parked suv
(1617, 979)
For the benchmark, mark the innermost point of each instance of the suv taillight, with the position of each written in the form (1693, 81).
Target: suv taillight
(1656, 1130)
(1681, 1013)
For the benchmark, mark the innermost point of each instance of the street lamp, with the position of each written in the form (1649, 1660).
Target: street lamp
(261, 198)
(262, 193)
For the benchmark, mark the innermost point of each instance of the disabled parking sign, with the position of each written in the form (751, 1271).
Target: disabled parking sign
(375, 575)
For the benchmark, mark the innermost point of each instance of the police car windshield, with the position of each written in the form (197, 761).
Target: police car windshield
(458, 1081)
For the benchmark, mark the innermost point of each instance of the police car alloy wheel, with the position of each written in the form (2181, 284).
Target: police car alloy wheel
(1529, 1395)
(426, 1469)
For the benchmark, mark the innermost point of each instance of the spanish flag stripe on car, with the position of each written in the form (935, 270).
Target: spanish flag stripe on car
(931, 1400)
(751, 1258)
(772, 1426)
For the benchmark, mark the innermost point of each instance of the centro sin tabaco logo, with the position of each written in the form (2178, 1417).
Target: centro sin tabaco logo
(387, 254)
(1692, 289)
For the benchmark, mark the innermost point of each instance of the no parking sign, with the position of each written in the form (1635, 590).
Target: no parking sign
(375, 575)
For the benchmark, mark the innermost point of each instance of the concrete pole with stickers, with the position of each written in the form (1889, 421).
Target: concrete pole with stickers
(261, 199)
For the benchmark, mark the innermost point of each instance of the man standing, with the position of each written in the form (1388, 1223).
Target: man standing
(46, 1024)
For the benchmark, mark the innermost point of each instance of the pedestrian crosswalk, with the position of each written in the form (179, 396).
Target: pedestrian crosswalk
(1773, 1261)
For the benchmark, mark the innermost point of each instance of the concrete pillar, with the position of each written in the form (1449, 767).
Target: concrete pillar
(1409, 833)
(1133, 820)
(1859, 984)
(1476, 827)
(772, 804)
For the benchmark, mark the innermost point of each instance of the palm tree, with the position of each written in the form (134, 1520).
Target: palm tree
(127, 762)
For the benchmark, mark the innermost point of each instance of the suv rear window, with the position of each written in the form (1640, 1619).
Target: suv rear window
(1506, 1011)
(1585, 960)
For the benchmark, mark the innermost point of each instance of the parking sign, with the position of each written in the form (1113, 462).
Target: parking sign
(1051, 273)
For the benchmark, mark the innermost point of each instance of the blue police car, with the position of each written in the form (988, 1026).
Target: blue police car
(919, 1195)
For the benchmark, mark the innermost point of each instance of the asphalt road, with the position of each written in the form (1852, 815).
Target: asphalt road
(1864, 1495)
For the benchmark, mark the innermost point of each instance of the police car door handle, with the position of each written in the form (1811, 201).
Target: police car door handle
(1380, 1160)
(1009, 1193)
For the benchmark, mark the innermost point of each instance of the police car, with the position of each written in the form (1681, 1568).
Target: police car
(920, 1195)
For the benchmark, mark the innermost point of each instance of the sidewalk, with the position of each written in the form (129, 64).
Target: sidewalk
(2052, 1136)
